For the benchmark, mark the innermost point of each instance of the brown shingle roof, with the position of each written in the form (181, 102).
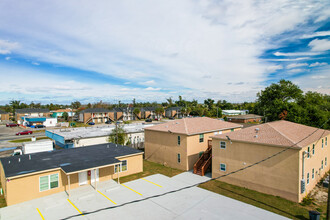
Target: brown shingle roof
(281, 133)
(190, 126)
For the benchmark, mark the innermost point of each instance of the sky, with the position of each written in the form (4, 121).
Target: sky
(62, 51)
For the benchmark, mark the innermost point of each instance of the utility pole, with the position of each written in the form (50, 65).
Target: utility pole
(116, 132)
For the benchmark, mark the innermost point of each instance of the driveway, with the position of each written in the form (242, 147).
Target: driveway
(153, 197)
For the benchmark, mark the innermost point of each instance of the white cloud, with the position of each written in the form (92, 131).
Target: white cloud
(296, 70)
(127, 83)
(149, 82)
(319, 45)
(274, 68)
(296, 54)
(7, 58)
(294, 65)
(319, 77)
(318, 64)
(36, 63)
(316, 34)
(6, 47)
(152, 89)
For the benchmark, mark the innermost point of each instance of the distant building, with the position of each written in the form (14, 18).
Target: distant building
(31, 112)
(245, 118)
(27, 177)
(86, 136)
(4, 116)
(174, 112)
(235, 112)
(304, 161)
(33, 120)
(59, 113)
(180, 143)
(96, 115)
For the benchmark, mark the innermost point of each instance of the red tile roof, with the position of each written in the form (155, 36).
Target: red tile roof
(191, 126)
(281, 133)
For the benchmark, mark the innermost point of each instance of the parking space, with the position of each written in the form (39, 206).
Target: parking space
(136, 200)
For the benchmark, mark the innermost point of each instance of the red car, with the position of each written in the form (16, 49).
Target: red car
(12, 125)
(24, 132)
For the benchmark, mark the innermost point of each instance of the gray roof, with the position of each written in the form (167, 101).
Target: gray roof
(95, 110)
(32, 110)
(70, 160)
(3, 112)
(173, 109)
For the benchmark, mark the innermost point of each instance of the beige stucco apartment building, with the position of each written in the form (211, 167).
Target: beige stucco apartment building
(282, 174)
(28, 177)
(178, 143)
(4, 116)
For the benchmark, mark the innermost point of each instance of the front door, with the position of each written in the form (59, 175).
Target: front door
(93, 175)
(82, 178)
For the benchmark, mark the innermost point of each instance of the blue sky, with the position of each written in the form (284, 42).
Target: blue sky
(62, 51)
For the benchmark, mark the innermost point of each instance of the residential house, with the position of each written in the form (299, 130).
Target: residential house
(31, 112)
(180, 143)
(245, 118)
(96, 115)
(41, 120)
(296, 158)
(235, 112)
(27, 177)
(4, 116)
(174, 112)
(59, 113)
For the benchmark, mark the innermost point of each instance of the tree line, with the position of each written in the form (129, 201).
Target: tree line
(281, 100)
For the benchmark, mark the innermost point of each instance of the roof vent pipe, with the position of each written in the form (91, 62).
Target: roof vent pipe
(257, 130)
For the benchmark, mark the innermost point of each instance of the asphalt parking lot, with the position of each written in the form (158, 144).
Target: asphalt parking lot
(138, 199)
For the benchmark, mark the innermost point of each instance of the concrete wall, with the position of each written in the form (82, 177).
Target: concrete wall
(277, 176)
(314, 162)
(26, 188)
(162, 147)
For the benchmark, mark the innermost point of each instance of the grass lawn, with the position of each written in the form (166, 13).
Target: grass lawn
(2, 200)
(27, 139)
(150, 168)
(271, 203)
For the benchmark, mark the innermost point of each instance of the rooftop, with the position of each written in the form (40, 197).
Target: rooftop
(96, 131)
(32, 110)
(3, 112)
(95, 110)
(248, 116)
(191, 126)
(280, 133)
(69, 160)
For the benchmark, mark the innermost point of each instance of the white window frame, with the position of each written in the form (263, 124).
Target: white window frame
(58, 182)
(121, 167)
(225, 167)
(199, 139)
(221, 142)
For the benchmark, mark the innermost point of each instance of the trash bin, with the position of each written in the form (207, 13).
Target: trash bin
(314, 215)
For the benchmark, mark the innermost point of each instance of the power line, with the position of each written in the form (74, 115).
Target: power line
(196, 184)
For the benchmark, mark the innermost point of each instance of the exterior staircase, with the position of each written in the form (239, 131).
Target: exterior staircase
(204, 162)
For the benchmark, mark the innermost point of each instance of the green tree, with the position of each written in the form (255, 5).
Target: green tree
(65, 115)
(209, 103)
(75, 105)
(276, 98)
(159, 111)
(136, 112)
(118, 135)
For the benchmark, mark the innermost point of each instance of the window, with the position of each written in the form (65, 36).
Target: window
(326, 141)
(307, 178)
(322, 142)
(121, 168)
(308, 150)
(179, 140)
(322, 165)
(48, 182)
(325, 161)
(313, 150)
(222, 145)
(222, 167)
(201, 138)
(179, 158)
(313, 173)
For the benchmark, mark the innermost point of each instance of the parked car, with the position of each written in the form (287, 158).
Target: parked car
(12, 125)
(158, 119)
(148, 120)
(91, 123)
(24, 132)
(171, 118)
(108, 122)
(40, 126)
